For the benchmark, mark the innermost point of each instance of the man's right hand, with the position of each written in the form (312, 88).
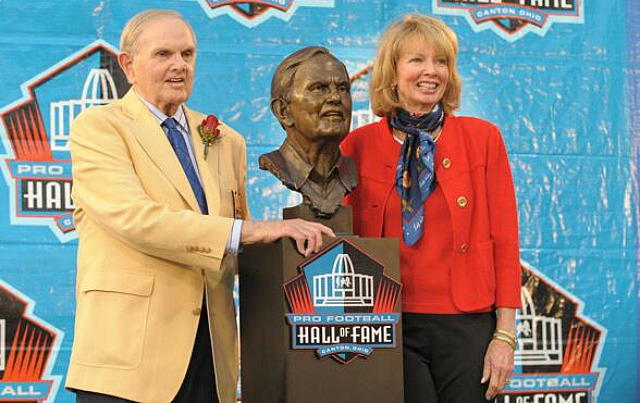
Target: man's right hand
(306, 234)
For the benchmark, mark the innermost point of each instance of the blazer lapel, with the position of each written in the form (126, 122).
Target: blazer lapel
(209, 168)
(155, 143)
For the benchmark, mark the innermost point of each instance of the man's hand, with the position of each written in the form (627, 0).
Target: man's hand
(306, 234)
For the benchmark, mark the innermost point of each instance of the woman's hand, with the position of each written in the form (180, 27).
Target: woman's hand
(498, 360)
(498, 367)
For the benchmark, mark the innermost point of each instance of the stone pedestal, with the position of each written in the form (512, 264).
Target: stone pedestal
(272, 369)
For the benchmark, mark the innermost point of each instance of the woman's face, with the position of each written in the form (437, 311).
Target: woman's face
(422, 75)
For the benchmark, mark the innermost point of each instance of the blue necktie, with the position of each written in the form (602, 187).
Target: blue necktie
(180, 147)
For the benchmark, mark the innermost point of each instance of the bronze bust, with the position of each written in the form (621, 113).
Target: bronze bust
(311, 98)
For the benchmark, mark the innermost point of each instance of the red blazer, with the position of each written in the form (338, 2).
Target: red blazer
(473, 170)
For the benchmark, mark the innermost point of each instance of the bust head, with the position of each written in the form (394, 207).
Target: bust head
(311, 98)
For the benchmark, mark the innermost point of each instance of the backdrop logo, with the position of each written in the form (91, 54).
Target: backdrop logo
(35, 135)
(253, 13)
(342, 304)
(559, 349)
(28, 349)
(513, 19)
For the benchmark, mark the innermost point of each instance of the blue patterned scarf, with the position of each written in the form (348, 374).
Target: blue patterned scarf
(415, 175)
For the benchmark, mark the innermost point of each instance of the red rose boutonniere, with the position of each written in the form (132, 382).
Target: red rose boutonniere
(209, 131)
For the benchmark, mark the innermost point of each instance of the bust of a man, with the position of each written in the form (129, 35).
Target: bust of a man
(311, 98)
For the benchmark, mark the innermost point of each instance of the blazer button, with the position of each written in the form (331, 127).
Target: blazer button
(462, 201)
(446, 163)
(196, 311)
(464, 247)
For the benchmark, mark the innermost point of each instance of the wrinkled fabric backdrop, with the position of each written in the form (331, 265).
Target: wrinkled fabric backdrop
(562, 81)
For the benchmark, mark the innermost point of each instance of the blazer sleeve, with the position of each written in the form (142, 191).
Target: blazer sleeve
(108, 192)
(503, 220)
(241, 151)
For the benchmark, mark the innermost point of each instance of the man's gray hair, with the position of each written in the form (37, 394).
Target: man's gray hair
(135, 27)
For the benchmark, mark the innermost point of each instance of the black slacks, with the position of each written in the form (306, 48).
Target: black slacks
(444, 356)
(199, 385)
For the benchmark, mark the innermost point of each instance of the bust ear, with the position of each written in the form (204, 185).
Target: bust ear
(280, 109)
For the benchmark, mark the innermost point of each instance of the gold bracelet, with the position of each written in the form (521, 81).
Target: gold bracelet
(508, 334)
(505, 339)
(511, 336)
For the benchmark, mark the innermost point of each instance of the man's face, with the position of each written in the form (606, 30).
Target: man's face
(161, 67)
(319, 106)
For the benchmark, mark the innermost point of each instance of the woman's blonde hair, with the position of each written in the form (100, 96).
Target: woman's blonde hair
(382, 88)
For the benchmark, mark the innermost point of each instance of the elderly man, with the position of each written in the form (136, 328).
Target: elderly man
(159, 219)
(310, 97)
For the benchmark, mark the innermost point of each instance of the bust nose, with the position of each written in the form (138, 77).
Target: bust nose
(334, 94)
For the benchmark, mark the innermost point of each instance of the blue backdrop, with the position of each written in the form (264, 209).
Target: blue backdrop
(560, 78)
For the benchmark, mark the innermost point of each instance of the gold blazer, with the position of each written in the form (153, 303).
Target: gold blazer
(146, 254)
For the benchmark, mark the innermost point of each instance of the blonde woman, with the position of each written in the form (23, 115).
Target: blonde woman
(442, 185)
